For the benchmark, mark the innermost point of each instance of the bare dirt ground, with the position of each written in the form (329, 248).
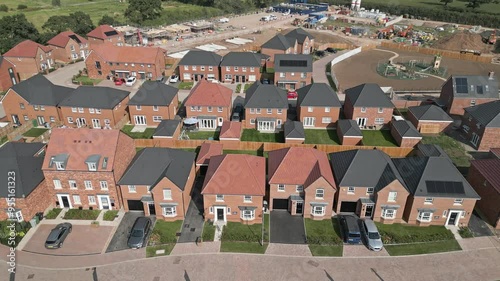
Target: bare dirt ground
(463, 40)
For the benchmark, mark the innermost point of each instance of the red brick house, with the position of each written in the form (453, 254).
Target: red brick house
(266, 107)
(8, 74)
(207, 150)
(349, 132)
(30, 58)
(82, 167)
(152, 103)
(484, 177)
(292, 71)
(429, 119)
(368, 106)
(318, 106)
(105, 34)
(199, 65)
(210, 103)
(68, 46)
(405, 134)
(242, 67)
(297, 41)
(159, 182)
(234, 188)
(481, 124)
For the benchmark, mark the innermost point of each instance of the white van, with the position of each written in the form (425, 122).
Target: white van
(224, 20)
(266, 18)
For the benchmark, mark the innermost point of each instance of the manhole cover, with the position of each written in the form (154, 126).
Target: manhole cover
(192, 229)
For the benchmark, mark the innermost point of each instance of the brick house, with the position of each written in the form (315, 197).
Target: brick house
(484, 177)
(152, 103)
(234, 188)
(429, 119)
(368, 185)
(404, 133)
(266, 107)
(318, 106)
(294, 132)
(34, 98)
(94, 107)
(199, 65)
(307, 191)
(68, 46)
(30, 58)
(109, 60)
(242, 67)
(21, 168)
(368, 105)
(82, 167)
(439, 194)
(8, 74)
(459, 92)
(105, 34)
(481, 124)
(292, 71)
(207, 150)
(297, 41)
(349, 132)
(210, 103)
(159, 182)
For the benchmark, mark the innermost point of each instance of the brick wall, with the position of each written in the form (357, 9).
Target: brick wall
(5, 75)
(113, 115)
(310, 196)
(232, 202)
(65, 54)
(294, 141)
(381, 198)
(318, 113)
(402, 141)
(37, 201)
(488, 137)
(440, 126)
(349, 140)
(370, 113)
(12, 105)
(192, 70)
(149, 69)
(116, 40)
(459, 104)
(204, 111)
(245, 71)
(263, 113)
(272, 52)
(293, 76)
(165, 112)
(441, 205)
(489, 196)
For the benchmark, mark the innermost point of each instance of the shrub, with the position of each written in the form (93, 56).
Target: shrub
(76, 214)
(4, 8)
(110, 215)
(52, 69)
(21, 7)
(5, 231)
(56, 3)
(465, 232)
(52, 214)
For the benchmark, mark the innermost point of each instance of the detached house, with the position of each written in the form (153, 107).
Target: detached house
(199, 65)
(318, 106)
(152, 103)
(105, 34)
(429, 119)
(292, 71)
(8, 74)
(297, 41)
(265, 107)
(481, 123)
(30, 58)
(484, 177)
(68, 46)
(242, 67)
(368, 105)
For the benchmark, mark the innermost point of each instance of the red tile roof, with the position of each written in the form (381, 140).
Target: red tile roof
(208, 150)
(26, 49)
(209, 94)
(99, 32)
(284, 163)
(61, 39)
(112, 53)
(230, 130)
(490, 169)
(236, 174)
(496, 152)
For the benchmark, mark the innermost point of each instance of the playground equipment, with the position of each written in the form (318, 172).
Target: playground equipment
(412, 69)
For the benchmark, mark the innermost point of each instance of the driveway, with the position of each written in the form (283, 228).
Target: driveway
(193, 223)
(63, 75)
(286, 228)
(478, 226)
(120, 238)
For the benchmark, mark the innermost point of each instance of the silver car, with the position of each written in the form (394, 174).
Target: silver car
(371, 235)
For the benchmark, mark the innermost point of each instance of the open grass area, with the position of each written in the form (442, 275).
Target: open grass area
(208, 232)
(164, 232)
(85, 80)
(267, 227)
(3, 140)
(110, 215)
(147, 134)
(243, 247)
(242, 238)
(423, 248)
(453, 148)
(326, 250)
(403, 233)
(321, 136)
(203, 135)
(35, 132)
(52, 214)
(186, 85)
(77, 214)
(151, 250)
(378, 138)
(254, 135)
(249, 152)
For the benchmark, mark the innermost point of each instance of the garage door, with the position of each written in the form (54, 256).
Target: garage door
(280, 204)
(348, 207)
(429, 129)
(135, 205)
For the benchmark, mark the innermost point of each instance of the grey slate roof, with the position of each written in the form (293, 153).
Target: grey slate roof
(294, 130)
(489, 87)
(368, 95)
(38, 90)
(318, 94)
(265, 96)
(19, 158)
(94, 97)
(433, 150)
(405, 129)
(243, 59)
(349, 128)
(152, 164)
(195, 57)
(422, 173)
(154, 93)
(299, 34)
(429, 112)
(278, 42)
(488, 114)
(166, 128)
(279, 58)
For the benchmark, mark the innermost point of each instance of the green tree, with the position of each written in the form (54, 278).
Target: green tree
(4, 8)
(82, 24)
(139, 11)
(446, 2)
(107, 20)
(78, 22)
(57, 24)
(15, 29)
(56, 3)
(474, 4)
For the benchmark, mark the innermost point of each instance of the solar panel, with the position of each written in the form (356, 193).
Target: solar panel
(293, 63)
(74, 37)
(444, 187)
(479, 90)
(461, 85)
(110, 33)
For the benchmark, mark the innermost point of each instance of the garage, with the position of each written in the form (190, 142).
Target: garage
(135, 205)
(430, 128)
(280, 204)
(348, 207)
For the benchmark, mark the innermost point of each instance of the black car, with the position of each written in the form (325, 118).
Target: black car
(57, 235)
(320, 53)
(139, 233)
(349, 227)
(331, 50)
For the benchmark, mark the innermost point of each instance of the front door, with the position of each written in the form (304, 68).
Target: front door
(220, 214)
(298, 209)
(142, 75)
(152, 209)
(369, 211)
(96, 124)
(140, 119)
(453, 218)
(64, 201)
(15, 119)
(278, 123)
(41, 120)
(220, 120)
(237, 77)
(104, 202)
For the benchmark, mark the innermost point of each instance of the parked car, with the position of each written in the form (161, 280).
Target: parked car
(272, 17)
(331, 50)
(320, 53)
(224, 20)
(266, 18)
(119, 81)
(57, 235)
(350, 229)
(266, 81)
(174, 79)
(130, 81)
(161, 79)
(371, 235)
(292, 95)
(139, 233)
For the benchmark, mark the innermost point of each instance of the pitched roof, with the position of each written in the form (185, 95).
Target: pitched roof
(95, 97)
(349, 128)
(126, 54)
(368, 95)
(278, 42)
(294, 130)
(21, 159)
(154, 93)
(429, 112)
(243, 59)
(474, 86)
(405, 129)
(235, 174)
(495, 152)
(195, 57)
(208, 150)
(62, 39)
(490, 169)
(207, 93)
(27, 49)
(433, 177)
(488, 114)
(103, 32)
(318, 94)
(293, 63)
(299, 34)
(431, 150)
(230, 130)
(166, 128)
(265, 96)
(38, 90)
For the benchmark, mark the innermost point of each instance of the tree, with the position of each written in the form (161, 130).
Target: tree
(57, 24)
(473, 4)
(107, 20)
(82, 24)
(78, 22)
(15, 29)
(446, 2)
(139, 11)
(56, 3)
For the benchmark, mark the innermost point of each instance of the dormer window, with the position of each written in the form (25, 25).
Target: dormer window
(92, 166)
(60, 161)
(59, 166)
(105, 163)
(92, 162)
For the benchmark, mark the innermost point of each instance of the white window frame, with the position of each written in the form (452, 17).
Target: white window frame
(103, 185)
(60, 166)
(186, 67)
(458, 201)
(92, 166)
(281, 188)
(209, 108)
(167, 194)
(193, 108)
(92, 200)
(202, 68)
(73, 109)
(299, 188)
(72, 184)
(388, 213)
(429, 200)
(318, 210)
(247, 198)
(76, 199)
(351, 190)
(380, 110)
(170, 211)
(327, 109)
(210, 68)
(326, 120)
(157, 119)
(269, 111)
(379, 121)
(310, 109)
(282, 75)
(370, 190)
(252, 121)
(320, 193)
(280, 111)
(392, 197)
(97, 110)
(132, 189)
(252, 110)
(252, 69)
(57, 184)
(70, 120)
(81, 110)
(247, 215)
(219, 198)
(88, 185)
(155, 108)
(424, 216)
(91, 110)
(219, 109)
(363, 109)
(257, 110)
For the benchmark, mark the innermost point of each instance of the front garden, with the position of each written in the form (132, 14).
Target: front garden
(245, 238)
(323, 237)
(77, 214)
(163, 237)
(35, 132)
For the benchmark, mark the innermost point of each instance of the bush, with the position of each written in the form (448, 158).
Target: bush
(52, 69)
(5, 231)
(77, 214)
(52, 214)
(21, 7)
(4, 8)
(465, 232)
(56, 3)
(110, 215)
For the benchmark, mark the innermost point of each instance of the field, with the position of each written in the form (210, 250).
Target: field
(490, 7)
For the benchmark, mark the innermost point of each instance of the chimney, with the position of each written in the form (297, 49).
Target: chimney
(491, 75)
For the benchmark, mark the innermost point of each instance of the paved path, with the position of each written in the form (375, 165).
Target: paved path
(63, 75)
(288, 250)
(193, 248)
(192, 227)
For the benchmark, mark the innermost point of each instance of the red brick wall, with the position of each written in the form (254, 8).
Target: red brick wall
(64, 54)
(417, 124)
(225, 114)
(37, 201)
(349, 140)
(166, 112)
(459, 104)
(156, 69)
(488, 136)
(306, 47)
(293, 76)
(232, 202)
(239, 72)
(28, 67)
(116, 40)
(489, 196)
(318, 113)
(11, 104)
(113, 115)
(272, 52)
(371, 113)
(263, 113)
(310, 196)
(404, 142)
(198, 71)
(287, 140)
(440, 204)
(382, 197)
(5, 79)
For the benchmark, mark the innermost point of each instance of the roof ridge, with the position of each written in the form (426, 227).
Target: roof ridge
(282, 160)
(254, 177)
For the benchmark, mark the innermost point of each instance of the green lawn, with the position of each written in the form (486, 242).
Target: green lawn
(85, 80)
(242, 238)
(76, 214)
(203, 135)
(452, 147)
(164, 232)
(186, 85)
(254, 135)
(378, 138)
(326, 250)
(249, 152)
(403, 233)
(267, 227)
(243, 247)
(52, 214)
(238, 88)
(3, 140)
(321, 136)
(151, 250)
(323, 232)
(489, 7)
(423, 248)
(110, 215)
(147, 134)
(208, 232)
(35, 132)
(137, 149)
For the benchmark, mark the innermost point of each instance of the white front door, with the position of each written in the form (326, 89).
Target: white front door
(82, 54)
(64, 201)
(41, 120)
(96, 123)
(475, 139)
(103, 201)
(140, 119)
(278, 124)
(220, 120)
(220, 214)
(361, 122)
(81, 122)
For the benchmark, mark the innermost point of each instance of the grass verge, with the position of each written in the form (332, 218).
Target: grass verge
(326, 250)
(151, 250)
(203, 135)
(110, 215)
(165, 232)
(208, 232)
(243, 247)
(52, 214)
(423, 248)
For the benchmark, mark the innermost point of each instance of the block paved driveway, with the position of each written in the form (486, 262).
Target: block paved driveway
(120, 238)
(193, 223)
(286, 228)
(478, 226)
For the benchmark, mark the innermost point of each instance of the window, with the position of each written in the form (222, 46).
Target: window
(138, 107)
(428, 200)
(326, 120)
(458, 201)
(281, 187)
(252, 69)
(107, 122)
(219, 197)
(247, 214)
(91, 200)
(211, 210)
(228, 210)
(269, 111)
(72, 184)
(169, 211)
(228, 68)
(198, 108)
(104, 185)
(303, 75)
(70, 120)
(424, 216)
(59, 166)
(42, 108)
(300, 188)
(257, 110)
(280, 111)
(26, 118)
(472, 102)
(209, 109)
(57, 184)
(388, 213)
(463, 214)
(92, 166)
(76, 200)
(210, 68)
(35, 107)
(21, 105)
(282, 75)
(157, 119)
(292, 73)
(132, 64)
(132, 189)
(88, 184)
(309, 121)
(52, 119)
(350, 190)
(445, 213)
(252, 121)
(310, 109)
(244, 69)
(155, 108)
(91, 110)
(247, 198)
(327, 109)
(186, 67)
(379, 121)
(318, 210)
(252, 110)
(97, 111)
(219, 109)
(380, 110)
(193, 67)
(193, 108)
(320, 193)
(236, 68)
(369, 190)
(363, 109)
(392, 196)
(80, 109)
(167, 194)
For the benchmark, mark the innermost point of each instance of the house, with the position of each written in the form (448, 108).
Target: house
(266, 107)
(369, 185)
(199, 65)
(34, 98)
(481, 124)
(234, 188)
(168, 129)
(317, 102)
(152, 103)
(29, 59)
(292, 71)
(429, 119)
(230, 132)
(107, 60)
(68, 46)
(242, 67)
(368, 105)
(405, 134)
(8, 74)
(210, 103)
(305, 41)
(484, 177)
(349, 132)
(82, 167)
(459, 92)
(24, 191)
(94, 107)
(207, 150)
(307, 191)
(105, 34)
(297, 41)
(294, 132)
(439, 194)
(159, 181)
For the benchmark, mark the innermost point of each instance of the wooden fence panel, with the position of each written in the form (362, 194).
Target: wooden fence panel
(6, 130)
(20, 130)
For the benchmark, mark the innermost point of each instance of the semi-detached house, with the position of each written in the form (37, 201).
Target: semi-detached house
(199, 65)
(481, 124)
(242, 67)
(153, 102)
